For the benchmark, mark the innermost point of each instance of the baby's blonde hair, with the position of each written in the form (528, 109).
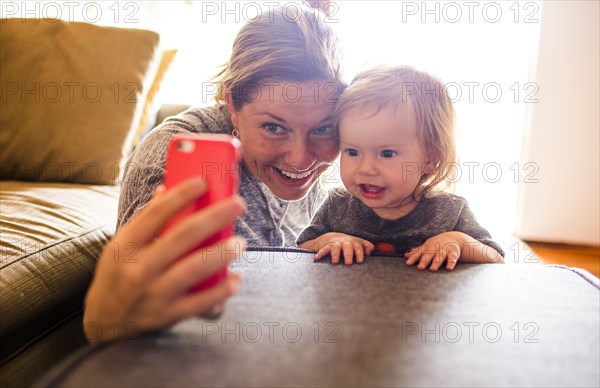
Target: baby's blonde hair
(385, 86)
(281, 45)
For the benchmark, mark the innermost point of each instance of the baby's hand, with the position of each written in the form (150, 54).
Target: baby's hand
(445, 247)
(450, 247)
(335, 244)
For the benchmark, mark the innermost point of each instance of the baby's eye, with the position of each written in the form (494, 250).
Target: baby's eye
(351, 152)
(273, 128)
(325, 130)
(388, 153)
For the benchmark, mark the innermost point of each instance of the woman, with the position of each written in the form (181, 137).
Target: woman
(276, 94)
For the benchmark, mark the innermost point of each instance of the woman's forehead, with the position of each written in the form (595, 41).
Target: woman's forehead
(293, 92)
(291, 99)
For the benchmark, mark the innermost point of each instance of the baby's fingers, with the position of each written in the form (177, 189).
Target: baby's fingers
(414, 255)
(426, 259)
(359, 253)
(438, 260)
(333, 249)
(336, 251)
(321, 253)
(368, 247)
(348, 249)
(453, 255)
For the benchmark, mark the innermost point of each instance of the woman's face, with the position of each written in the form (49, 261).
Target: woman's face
(287, 135)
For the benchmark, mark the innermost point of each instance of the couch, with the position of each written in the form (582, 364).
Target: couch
(76, 98)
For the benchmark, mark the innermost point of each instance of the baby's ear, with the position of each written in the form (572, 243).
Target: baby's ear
(430, 164)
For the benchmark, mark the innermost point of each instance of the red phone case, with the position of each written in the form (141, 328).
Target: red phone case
(214, 157)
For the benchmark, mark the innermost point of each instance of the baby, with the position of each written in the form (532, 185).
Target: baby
(396, 132)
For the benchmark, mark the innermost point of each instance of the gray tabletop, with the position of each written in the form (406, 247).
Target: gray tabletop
(299, 323)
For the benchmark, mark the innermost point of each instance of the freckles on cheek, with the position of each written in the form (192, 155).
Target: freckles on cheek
(264, 151)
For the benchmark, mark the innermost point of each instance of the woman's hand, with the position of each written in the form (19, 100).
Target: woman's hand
(450, 247)
(139, 283)
(335, 244)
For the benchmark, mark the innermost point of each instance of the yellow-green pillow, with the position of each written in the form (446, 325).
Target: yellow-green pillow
(151, 106)
(72, 97)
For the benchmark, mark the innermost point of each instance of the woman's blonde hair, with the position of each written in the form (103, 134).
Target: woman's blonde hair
(293, 44)
(385, 86)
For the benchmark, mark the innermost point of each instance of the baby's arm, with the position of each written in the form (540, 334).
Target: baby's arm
(450, 247)
(335, 244)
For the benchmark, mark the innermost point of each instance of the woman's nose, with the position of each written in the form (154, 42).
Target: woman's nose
(299, 156)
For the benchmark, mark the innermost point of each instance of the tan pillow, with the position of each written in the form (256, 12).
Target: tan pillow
(72, 97)
(151, 105)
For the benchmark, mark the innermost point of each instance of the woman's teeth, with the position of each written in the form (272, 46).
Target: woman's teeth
(292, 175)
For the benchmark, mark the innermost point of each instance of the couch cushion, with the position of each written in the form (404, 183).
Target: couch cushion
(51, 236)
(72, 98)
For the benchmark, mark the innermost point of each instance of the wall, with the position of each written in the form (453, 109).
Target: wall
(563, 141)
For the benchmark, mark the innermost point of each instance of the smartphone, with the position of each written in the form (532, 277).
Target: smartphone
(215, 158)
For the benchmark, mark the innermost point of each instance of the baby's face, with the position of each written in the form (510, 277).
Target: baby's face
(382, 159)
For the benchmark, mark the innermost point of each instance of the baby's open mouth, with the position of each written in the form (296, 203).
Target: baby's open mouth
(371, 189)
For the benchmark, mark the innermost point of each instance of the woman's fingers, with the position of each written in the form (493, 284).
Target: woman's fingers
(152, 292)
(196, 303)
(151, 219)
(198, 266)
(194, 229)
(159, 191)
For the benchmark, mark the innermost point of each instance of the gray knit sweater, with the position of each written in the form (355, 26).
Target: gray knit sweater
(344, 213)
(268, 221)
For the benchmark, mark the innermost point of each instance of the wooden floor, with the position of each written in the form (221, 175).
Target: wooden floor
(585, 257)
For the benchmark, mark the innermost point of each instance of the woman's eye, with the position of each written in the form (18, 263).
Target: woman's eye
(273, 128)
(324, 130)
(351, 152)
(388, 154)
